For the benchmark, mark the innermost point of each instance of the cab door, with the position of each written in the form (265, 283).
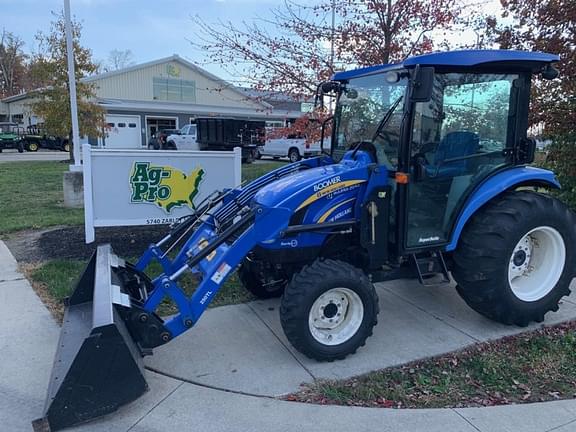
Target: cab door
(459, 138)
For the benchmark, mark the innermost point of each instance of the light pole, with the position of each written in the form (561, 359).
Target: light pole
(72, 86)
(332, 36)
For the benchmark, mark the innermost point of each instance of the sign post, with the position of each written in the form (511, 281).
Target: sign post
(72, 85)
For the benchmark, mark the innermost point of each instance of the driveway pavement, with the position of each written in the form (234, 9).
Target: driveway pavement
(12, 155)
(221, 375)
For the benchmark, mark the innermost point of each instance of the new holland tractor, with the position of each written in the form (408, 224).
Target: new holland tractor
(428, 174)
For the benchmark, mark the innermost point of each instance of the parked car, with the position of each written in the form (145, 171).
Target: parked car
(159, 140)
(36, 138)
(292, 148)
(11, 136)
(184, 139)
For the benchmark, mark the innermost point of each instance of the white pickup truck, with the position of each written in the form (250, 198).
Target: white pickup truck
(185, 140)
(292, 148)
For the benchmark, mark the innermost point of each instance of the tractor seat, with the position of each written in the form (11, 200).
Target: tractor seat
(453, 145)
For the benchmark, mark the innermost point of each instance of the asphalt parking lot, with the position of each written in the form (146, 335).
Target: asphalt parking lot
(12, 155)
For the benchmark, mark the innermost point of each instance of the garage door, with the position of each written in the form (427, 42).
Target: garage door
(123, 132)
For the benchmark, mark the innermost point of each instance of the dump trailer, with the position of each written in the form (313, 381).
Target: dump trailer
(227, 133)
(428, 177)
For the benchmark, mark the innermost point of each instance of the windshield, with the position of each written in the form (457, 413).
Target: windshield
(369, 113)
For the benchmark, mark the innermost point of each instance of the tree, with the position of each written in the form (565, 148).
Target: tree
(52, 101)
(119, 59)
(550, 26)
(12, 64)
(292, 52)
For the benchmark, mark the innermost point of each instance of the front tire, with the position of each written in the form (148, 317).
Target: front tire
(515, 258)
(328, 310)
(32, 147)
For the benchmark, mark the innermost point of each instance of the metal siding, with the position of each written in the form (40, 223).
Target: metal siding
(137, 85)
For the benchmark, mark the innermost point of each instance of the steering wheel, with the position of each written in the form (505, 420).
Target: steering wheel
(366, 146)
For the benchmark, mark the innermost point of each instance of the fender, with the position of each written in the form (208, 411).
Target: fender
(494, 186)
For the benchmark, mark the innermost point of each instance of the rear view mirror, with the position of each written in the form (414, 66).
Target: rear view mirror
(525, 151)
(423, 83)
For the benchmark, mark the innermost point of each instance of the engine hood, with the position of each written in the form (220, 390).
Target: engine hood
(314, 179)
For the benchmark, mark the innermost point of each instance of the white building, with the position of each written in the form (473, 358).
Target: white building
(163, 94)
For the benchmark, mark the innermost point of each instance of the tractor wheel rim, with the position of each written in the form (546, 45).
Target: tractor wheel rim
(33, 147)
(336, 316)
(537, 263)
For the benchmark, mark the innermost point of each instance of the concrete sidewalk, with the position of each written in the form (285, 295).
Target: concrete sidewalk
(240, 348)
(243, 348)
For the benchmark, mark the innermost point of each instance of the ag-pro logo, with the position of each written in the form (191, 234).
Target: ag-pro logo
(164, 186)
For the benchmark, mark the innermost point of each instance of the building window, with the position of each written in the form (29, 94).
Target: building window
(131, 125)
(18, 118)
(173, 89)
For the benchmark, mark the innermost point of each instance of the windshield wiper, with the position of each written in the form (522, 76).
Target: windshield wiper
(385, 119)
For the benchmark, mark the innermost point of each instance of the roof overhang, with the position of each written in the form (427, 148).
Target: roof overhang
(194, 109)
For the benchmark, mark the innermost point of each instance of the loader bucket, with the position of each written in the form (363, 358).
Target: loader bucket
(97, 367)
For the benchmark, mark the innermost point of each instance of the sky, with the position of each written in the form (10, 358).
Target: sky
(151, 29)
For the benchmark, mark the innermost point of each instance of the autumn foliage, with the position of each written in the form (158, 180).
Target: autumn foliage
(51, 99)
(550, 26)
(298, 47)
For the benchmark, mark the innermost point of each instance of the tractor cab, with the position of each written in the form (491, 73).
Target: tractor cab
(440, 125)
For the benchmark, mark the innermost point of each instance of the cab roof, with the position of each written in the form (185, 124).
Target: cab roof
(463, 58)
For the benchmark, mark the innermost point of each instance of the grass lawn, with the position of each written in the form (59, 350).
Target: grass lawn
(56, 279)
(32, 196)
(530, 367)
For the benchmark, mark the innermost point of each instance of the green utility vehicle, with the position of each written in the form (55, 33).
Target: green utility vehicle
(11, 136)
(36, 138)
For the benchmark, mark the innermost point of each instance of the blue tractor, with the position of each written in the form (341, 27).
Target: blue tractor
(428, 174)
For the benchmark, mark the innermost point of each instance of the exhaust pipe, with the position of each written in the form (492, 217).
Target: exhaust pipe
(98, 364)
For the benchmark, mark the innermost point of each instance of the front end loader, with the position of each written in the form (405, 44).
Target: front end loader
(427, 177)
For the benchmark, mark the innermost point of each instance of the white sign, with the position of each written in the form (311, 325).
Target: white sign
(150, 187)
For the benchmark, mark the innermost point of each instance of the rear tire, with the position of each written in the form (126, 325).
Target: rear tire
(328, 310)
(32, 147)
(515, 258)
(249, 158)
(294, 155)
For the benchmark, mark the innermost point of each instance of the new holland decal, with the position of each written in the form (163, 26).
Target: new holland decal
(164, 186)
(331, 186)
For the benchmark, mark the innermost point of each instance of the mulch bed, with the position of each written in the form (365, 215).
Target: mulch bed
(68, 242)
